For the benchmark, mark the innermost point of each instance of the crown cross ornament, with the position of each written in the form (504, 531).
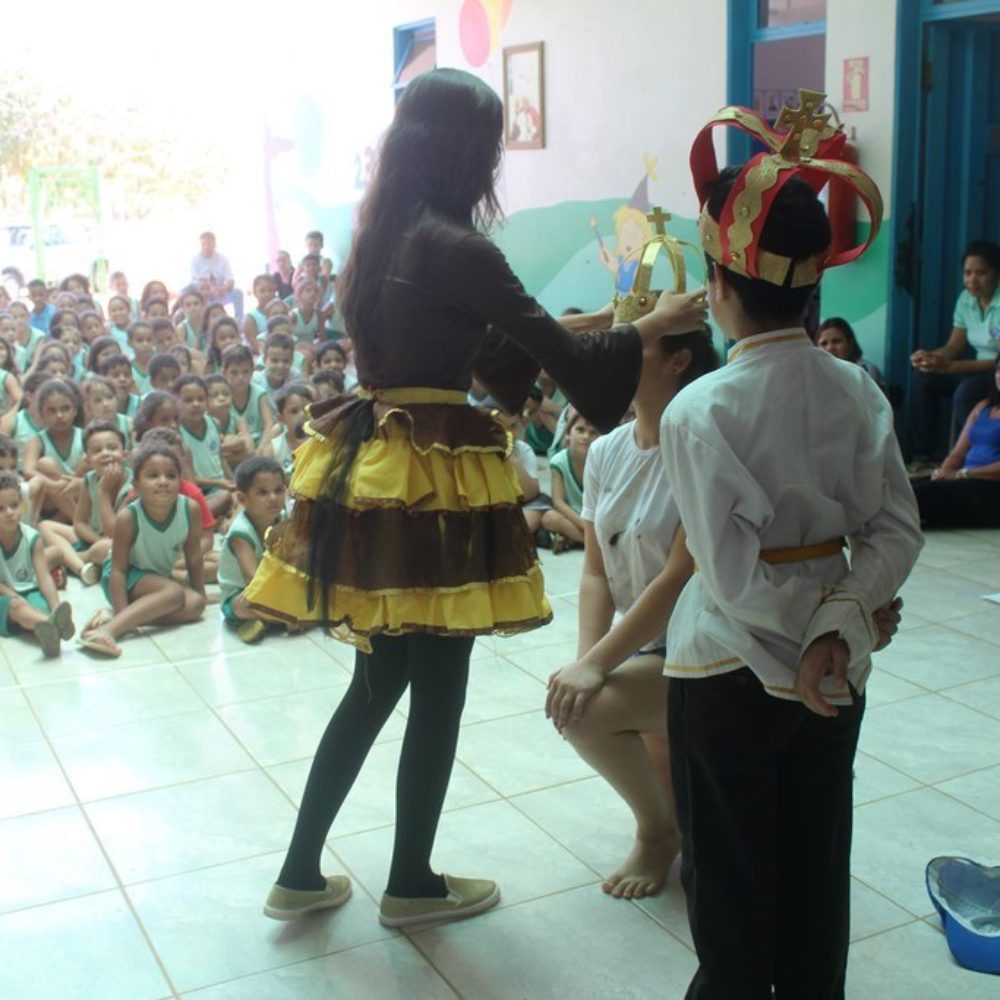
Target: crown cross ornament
(806, 127)
(801, 144)
(641, 299)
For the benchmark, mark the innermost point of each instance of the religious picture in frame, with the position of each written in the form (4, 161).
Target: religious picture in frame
(524, 96)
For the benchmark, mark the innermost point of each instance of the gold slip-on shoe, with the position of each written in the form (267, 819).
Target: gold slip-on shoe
(466, 897)
(288, 904)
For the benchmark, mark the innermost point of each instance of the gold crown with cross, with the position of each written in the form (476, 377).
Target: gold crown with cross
(642, 297)
(802, 143)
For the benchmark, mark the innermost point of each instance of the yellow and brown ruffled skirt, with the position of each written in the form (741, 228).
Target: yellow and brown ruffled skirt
(431, 537)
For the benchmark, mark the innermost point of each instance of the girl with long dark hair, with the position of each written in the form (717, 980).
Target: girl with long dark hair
(407, 539)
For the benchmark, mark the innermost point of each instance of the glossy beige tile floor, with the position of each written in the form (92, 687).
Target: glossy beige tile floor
(145, 803)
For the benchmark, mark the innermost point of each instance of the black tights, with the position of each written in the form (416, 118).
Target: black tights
(437, 669)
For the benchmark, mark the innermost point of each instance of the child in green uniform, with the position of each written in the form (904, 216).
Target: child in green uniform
(291, 404)
(57, 451)
(249, 400)
(564, 520)
(142, 345)
(255, 323)
(260, 491)
(25, 422)
(118, 369)
(236, 442)
(201, 437)
(28, 598)
(106, 484)
(149, 535)
(279, 365)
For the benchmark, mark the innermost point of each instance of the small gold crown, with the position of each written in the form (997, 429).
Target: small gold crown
(641, 299)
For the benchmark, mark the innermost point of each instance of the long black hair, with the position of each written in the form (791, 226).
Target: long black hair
(440, 156)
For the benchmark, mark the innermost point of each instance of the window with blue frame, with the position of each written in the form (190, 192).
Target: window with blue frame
(414, 52)
(775, 47)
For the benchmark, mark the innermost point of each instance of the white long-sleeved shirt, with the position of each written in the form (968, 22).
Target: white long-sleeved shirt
(784, 447)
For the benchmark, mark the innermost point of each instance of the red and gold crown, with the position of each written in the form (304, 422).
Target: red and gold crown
(802, 144)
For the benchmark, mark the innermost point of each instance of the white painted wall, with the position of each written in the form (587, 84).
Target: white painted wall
(621, 80)
(866, 28)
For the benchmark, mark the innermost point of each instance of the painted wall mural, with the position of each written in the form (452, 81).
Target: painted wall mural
(479, 25)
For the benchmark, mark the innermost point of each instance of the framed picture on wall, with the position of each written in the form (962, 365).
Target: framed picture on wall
(524, 96)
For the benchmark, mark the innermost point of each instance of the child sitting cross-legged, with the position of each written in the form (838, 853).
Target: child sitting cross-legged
(28, 598)
(260, 491)
(106, 485)
(149, 535)
(564, 520)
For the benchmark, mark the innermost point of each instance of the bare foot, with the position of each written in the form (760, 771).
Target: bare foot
(645, 869)
(97, 620)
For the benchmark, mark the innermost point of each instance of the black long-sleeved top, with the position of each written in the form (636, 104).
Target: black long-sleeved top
(452, 308)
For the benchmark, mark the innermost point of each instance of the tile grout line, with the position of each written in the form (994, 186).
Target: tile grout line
(107, 860)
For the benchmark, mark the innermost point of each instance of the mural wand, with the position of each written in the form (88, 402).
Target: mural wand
(597, 233)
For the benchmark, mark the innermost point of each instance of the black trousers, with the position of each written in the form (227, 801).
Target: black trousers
(764, 801)
(958, 503)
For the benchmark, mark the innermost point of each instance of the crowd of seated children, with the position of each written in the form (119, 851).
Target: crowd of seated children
(136, 433)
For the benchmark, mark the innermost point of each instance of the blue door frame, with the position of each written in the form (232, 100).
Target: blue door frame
(920, 286)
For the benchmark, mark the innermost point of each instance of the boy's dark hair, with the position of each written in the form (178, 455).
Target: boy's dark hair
(160, 362)
(281, 341)
(8, 447)
(262, 277)
(161, 322)
(97, 380)
(245, 473)
(113, 361)
(796, 227)
(704, 358)
(315, 235)
(327, 376)
(61, 387)
(8, 481)
(236, 354)
(80, 278)
(285, 393)
(838, 323)
(192, 290)
(177, 349)
(329, 347)
(37, 283)
(102, 427)
(188, 378)
(148, 408)
(274, 322)
(132, 327)
(153, 449)
(96, 346)
(214, 379)
(987, 249)
(163, 435)
(33, 381)
(310, 257)
(59, 316)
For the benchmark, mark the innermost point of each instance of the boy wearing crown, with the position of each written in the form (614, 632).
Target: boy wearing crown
(777, 461)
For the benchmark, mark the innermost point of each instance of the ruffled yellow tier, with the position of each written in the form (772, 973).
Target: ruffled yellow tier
(499, 607)
(432, 498)
(390, 472)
